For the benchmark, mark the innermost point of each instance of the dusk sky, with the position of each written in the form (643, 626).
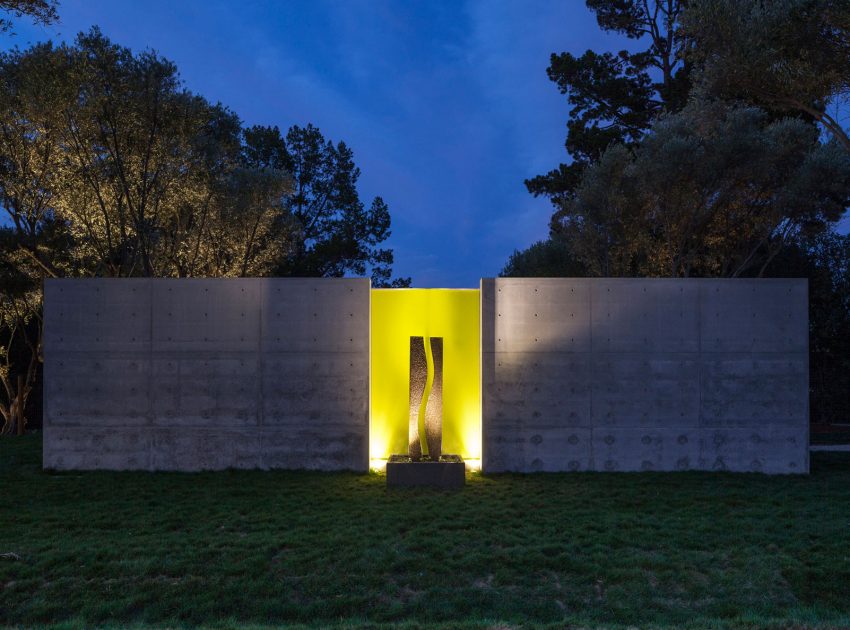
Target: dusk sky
(446, 104)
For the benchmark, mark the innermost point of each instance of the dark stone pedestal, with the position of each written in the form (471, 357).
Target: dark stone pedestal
(448, 472)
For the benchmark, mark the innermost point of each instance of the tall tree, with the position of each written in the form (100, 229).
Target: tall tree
(787, 55)
(110, 167)
(148, 189)
(337, 234)
(615, 97)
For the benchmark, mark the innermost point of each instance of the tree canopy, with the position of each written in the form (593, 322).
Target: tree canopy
(615, 97)
(40, 11)
(109, 166)
(786, 55)
(711, 191)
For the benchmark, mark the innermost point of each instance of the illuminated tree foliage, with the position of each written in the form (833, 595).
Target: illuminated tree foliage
(110, 167)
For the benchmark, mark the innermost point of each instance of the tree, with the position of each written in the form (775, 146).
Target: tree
(551, 258)
(337, 234)
(41, 11)
(616, 97)
(110, 167)
(154, 182)
(825, 260)
(713, 190)
(788, 55)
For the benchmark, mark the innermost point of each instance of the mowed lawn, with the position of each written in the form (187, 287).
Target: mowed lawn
(260, 549)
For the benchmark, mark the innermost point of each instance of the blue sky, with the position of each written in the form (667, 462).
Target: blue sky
(445, 103)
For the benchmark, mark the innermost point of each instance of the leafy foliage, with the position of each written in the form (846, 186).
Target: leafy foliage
(110, 167)
(336, 233)
(551, 258)
(789, 55)
(712, 191)
(615, 98)
(41, 11)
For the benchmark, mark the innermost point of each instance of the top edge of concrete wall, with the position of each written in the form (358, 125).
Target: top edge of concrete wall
(207, 279)
(606, 279)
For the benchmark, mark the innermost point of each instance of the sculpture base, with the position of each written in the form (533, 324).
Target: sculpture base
(449, 472)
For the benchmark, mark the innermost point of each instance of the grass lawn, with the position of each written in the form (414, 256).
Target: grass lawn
(259, 549)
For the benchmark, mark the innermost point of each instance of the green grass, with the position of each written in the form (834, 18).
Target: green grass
(258, 549)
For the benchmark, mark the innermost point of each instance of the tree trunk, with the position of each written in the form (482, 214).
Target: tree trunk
(20, 419)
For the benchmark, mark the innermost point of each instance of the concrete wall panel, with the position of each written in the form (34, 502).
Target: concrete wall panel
(205, 374)
(645, 389)
(754, 315)
(550, 315)
(90, 447)
(305, 315)
(660, 374)
(90, 315)
(204, 314)
(519, 448)
(755, 449)
(645, 449)
(644, 317)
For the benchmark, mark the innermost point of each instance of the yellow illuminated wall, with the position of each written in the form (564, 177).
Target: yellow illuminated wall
(398, 314)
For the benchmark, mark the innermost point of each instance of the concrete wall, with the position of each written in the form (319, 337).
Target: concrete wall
(634, 374)
(195, 374)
